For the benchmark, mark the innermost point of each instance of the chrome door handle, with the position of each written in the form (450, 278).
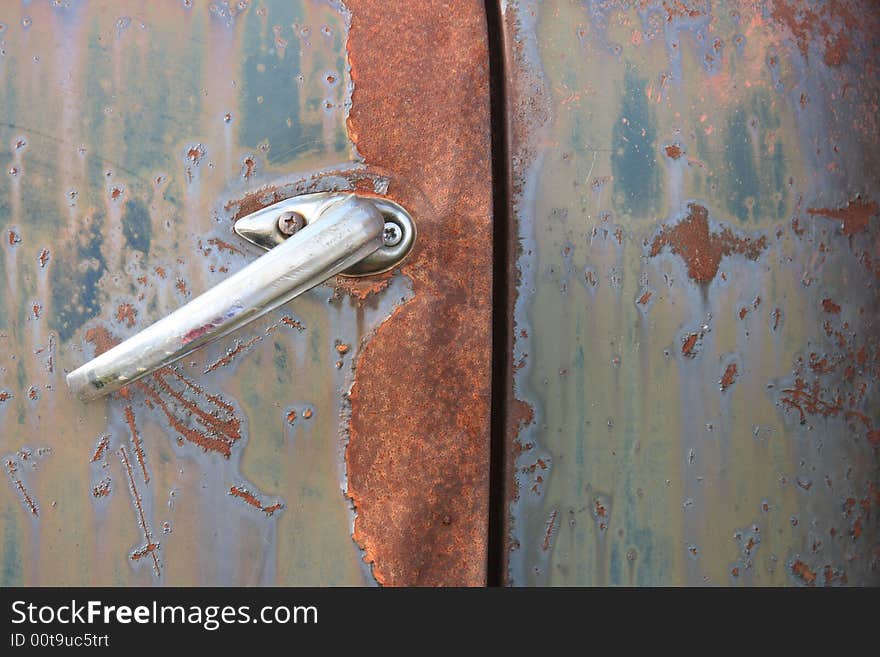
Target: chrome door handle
(310, 239)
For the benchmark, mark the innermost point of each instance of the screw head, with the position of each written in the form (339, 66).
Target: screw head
(290, 223)
(392, 234)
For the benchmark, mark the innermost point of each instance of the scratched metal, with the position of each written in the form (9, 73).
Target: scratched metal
(695, 356)
(129, 133)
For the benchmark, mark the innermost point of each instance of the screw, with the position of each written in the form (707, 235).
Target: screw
(291, 222)
(392, 234)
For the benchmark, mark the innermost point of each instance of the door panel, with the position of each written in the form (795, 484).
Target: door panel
(134, 134)
(694, 322)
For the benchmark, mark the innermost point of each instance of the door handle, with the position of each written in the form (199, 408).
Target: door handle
(309, 239)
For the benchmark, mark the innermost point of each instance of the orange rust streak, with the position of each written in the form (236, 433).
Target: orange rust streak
(250, 498)
(150, 546)
(228, 427)
(207, 442)
(103, 446)
(231, 354)
(214, 399)
(11, 469)
(225, 246)
(548, 535)
(645, 298)
(777, 318)
(290, 321)
(136, 440)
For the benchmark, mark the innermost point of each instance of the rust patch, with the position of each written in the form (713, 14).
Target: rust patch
(689, 346)
(853, 217)
(829, 306)
(803, 572)
(837, 50)
(418, 463)
(645, 298)
(125, 314)
(362, 289)
(102, 489)
(729, 376)
(701, 249)
(816, 388)
(829, 22)
(247, 167)
(673, 152)
(680, 9)
(521, 415)
(44, 258)
(196, 153)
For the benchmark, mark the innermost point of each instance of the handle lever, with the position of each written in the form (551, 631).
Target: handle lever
(310, 239)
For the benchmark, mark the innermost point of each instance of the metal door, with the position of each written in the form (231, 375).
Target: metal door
(340, 440)
(694, 337)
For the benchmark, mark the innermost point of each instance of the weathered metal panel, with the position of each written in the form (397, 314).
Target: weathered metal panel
(695, 351)
(132, 135)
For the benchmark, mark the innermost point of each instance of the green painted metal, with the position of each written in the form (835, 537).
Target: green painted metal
(695, 324)
(126, 129)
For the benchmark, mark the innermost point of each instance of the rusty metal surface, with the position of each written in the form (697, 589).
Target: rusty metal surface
(418, 455)
(695, 356)
(131, 135)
